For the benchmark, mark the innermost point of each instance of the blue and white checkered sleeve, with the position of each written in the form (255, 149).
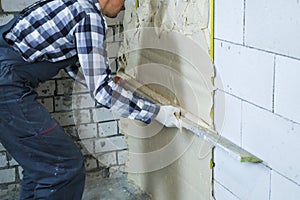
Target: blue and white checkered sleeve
(92, 55)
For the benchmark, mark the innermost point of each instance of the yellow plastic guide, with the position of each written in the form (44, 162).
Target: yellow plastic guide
(212, 55)
(212, 29)
(136, 4)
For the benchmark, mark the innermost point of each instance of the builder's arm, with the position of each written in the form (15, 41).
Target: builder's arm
(91, 47)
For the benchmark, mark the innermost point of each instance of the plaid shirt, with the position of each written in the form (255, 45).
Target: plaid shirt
(59, 29)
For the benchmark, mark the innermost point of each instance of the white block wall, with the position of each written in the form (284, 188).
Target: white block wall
(95, 130)
(257, 58)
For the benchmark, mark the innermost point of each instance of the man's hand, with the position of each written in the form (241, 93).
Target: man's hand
(167, 117)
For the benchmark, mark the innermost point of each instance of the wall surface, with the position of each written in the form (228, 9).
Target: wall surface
(95, 130)
(257, 58)
(165, 49)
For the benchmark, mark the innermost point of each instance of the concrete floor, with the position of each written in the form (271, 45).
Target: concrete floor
(116, 187)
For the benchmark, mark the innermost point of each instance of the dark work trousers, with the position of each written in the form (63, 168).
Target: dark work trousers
(53, 165)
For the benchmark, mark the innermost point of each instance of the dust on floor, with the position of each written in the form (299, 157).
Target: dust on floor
(116, 187)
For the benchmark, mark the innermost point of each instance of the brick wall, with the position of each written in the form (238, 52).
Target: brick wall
(95, 130)
(257, 57)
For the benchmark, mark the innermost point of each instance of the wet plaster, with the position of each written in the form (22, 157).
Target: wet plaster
(166, 48)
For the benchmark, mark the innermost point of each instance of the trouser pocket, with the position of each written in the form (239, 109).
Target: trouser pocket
(36, 116)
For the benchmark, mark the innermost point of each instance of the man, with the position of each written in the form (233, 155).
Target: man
(45, 38)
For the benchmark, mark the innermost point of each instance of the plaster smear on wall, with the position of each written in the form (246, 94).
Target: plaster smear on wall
(165, 48)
